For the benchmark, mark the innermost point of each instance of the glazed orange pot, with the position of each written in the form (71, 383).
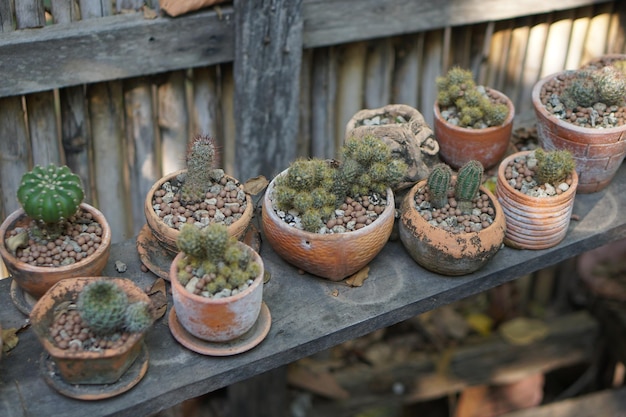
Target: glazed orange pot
(458, 145)
(36, 280)
(444, 252)
(221, 319)
(598, 152)
(85, 367)
(166, 235)
(534, 222)
(333, 256)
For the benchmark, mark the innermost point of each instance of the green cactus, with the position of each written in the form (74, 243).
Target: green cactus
(138, 317)
(201, 161)
(50, 194)
(102, 305)
(468, 182)
(438, 184)
(590, 86)
(553, 167)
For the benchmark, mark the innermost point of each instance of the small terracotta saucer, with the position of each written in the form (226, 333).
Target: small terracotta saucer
(154, 256)
(91, 392)
(22, 300)
(247, 341)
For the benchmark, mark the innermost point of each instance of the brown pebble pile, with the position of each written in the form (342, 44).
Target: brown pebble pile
(356, 210)
(69, 332)
(518, 170)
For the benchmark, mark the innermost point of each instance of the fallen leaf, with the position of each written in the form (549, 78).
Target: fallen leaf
(252, 237)
(357, 279)
(255, 185)
(335, 292)
(158, 298)
(10, 339)
(523, 331)
(149, 13)
(480, 322)
(317, 382)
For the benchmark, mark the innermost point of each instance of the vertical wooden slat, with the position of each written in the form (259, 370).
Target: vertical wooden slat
(407, 70)
(173, 121)
(531, 69)
(64, 11)
(204, 113)
(483, 69)
(95, 8)
(515, 61)
(557, 43)
(268, 56)
(29, 14)
(304, 125)
(615, 34)
(431, 69)
(6, 15)
(378, 72)
(577, 40)
(499, 55)
(43, 128)
(596, 41)
(229, 141)
(349, 88)
(324, 86)
(122, 5)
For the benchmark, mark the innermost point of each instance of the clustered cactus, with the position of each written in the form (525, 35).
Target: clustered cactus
(201, 162)
(106, 309)
(214, 259)
(466, 188)
(590, 86)
(50, 194)
(474, 107)
(315, 188)
(553, 167)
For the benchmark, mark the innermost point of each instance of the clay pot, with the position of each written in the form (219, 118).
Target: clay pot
(598, 152)
(534, 222)
(412, 142)
(332, 256)
(166, 235)
(217, 320)
(458, 145)
(36, 280)
(85, 367)
(444, 252)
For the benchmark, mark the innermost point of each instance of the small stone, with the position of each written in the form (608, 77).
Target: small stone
(120, 266)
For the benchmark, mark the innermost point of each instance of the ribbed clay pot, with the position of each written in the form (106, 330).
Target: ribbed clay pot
(458, 145)
(333, 256)
(598, 152)
(534, 222)
(36, 280)
(85, 367)
(221, 319)
(166, 235)
(444, 252)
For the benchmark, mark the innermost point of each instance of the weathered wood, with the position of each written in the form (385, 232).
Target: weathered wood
(324, 87)
(14, 152)
(378, 72)
(350, 82)
(29, 14)
(407, 72)
(557, 43)
(173, 120)
(268, 55)
(44, 129)
(64, 11)
(90, 9)
(6, 15)
(269, 390)
(596, 39)
(227, 101)
(204, 113)
(303, 148)
(580, 26)
(431, 69)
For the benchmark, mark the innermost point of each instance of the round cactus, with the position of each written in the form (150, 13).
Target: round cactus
(138, 317)
(553, 167)
(190, 240)
(50, 194)
(102, 306)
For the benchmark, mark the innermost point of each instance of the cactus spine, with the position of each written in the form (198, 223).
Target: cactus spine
(553, 167)
(201, 161)
(438, 184)
(468, 182)
(138, 317)
(102, 306)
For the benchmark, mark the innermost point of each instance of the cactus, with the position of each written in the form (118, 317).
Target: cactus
(102, 305)
(50, 194)
(138, 317)
(468, 181)
(438, 184)
(553, 167)
(590, 86)
(201, 161)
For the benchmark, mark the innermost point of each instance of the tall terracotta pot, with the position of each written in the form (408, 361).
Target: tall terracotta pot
(458, 145)
(534, 222)
(444, 252)
(36, 280)
(332, 256)
(598, 152)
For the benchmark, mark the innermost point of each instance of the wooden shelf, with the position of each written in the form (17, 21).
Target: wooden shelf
(308, 315)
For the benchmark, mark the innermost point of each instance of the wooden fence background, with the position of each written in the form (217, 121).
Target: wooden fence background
(123, 133)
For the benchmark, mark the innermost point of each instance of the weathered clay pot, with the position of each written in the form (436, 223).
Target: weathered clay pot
(447, 253)
(598, 152)
(167, 235)
(412, 142)
(217, 320)
(332, 256)
(36, 280)
(85, 367)
(458, 145)
(533, 222)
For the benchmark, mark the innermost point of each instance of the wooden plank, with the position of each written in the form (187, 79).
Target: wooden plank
(407, 70)
(324, 85)
(229, 133)
(90, 9)
(596, 40)
(44, 130)
(350, 82)
(432, 62)
(303, 148)
(6, 15)
(378, 72)
(557, 43)
(29, 14)
(576, 47)
(268, 57)
(204, 112)
(64, 11)
(173, 120)
(533, 60)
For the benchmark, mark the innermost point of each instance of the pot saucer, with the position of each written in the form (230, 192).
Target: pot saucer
(154, 256)
(131, 377)
(22, 300)
(247, 341)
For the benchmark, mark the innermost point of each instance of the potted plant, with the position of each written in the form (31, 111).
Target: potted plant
(54, 235)
(109, 317)
(536, 190)
(201, 194)
(471, 122)
(450, 224)
(331, 218)
(583, 111)
(217, 288)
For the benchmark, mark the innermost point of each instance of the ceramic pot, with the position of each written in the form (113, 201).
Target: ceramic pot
(458, 145)
(166, 235)
(598, 152)
(534, 222)
(448, 253)
(332, 256)
(85, 367)
(222, 319)
(36, 280)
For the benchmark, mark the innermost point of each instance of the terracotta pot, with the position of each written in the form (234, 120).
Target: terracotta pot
(534, 222)
(598, 152)
(85, 367)
(458, 145)
(447, 253)
(217, 320)
(36, 280)
(167, 235)
(332, 256)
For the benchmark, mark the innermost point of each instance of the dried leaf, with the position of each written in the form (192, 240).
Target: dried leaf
(158, 298)
(318, 382)
(523, 331)
(335, 292)
(481, 323)
(252, 238)
(357, 279)
(20, 240)
(255, 185)
(9, 339)
(149, 13)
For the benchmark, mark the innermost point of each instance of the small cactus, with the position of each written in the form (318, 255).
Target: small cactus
(468, 182)
(138, 317)
(553, 167)
(201, 161)
(50, 194)
(102, 305)
(590, 86)
(438, 184)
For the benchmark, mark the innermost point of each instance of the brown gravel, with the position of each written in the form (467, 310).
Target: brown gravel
(69, 332)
